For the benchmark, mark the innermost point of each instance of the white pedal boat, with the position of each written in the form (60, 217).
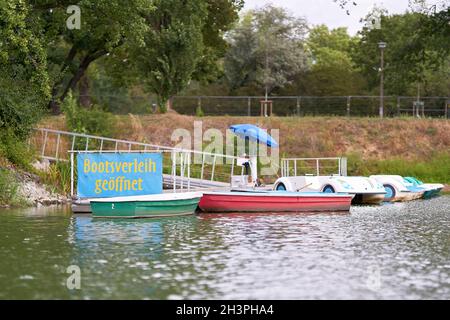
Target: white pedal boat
(431, 189)
(366, 190)
(399, 189)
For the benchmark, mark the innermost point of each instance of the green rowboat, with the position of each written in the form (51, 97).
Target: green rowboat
(148, 206)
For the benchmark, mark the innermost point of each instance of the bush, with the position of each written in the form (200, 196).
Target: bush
(93, 121)
(58, 176)
(8, 189)
(18, 117)
(15, 150)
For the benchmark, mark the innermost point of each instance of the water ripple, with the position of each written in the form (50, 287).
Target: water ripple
(398, 251)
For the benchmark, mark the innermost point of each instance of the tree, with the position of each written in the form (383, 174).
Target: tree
(241, 59)
(333, 71)
(182, 40)
(23, 77)
(171, 50)
(415, 47)
(221, 15)
(105, 26)
(267, 47)
(433, 33)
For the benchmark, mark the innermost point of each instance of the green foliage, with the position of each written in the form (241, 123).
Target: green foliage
(15, 150)
(171, 50)
(266, 48)
(24, 80)
(417, 51)
(93, 121)
(333, 71)
(9, 189)
(106, 89)
(105, 26)
(336, 39)
(180, 37)
(58, 176)
(337, 64)
(221, 14)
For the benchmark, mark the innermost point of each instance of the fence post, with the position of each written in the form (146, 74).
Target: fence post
(343, 167)
(174, 171)
(44, 144)
(249, 107)
(213, 168)
(199, 103)
(203, 165)
(298, 106)
(189, 171)
(57, 146)
(349, 98)
(398, 106)
(447, 104)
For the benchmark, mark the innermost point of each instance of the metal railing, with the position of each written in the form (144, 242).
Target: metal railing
(313, 166)
(213, 170)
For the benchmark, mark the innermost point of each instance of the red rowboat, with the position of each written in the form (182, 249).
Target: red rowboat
(274, 201)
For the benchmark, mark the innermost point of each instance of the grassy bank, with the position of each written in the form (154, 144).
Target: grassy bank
(436, 169)
(9, 194)
(21, 183)
(14, 155)
(406, 146)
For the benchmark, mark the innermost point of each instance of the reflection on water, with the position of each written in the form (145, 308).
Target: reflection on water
(391, 251)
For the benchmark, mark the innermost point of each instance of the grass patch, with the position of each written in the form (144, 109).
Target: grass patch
(57, 177)
(9, 189)
(436, 170)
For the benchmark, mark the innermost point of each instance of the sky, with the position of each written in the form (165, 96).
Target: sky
(330, 13)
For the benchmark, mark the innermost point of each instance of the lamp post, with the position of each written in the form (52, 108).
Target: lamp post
(382, 46)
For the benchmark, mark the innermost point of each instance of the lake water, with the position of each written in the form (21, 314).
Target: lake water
(393, 251)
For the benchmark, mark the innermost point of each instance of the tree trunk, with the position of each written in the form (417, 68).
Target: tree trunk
(162, 104)
(54, 104)
(169, 103)
(88, 59)
(83, 88)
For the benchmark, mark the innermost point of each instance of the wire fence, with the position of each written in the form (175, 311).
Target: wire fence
(350, 106)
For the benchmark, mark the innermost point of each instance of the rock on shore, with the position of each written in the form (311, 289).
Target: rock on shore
(36, 193)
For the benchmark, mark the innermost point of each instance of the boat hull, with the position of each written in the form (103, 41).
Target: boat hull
(431, 193)
(247, 202)
(368, 198)
(81, 206)
(144, 209)
(407, 196)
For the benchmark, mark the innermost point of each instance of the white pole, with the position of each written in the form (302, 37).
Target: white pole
(174, 171)
(71, 174)
(189, 171)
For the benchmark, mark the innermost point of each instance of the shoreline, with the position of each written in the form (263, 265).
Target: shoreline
(30, 191)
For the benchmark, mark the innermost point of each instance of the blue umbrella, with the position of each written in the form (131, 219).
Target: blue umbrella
(254, 133)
